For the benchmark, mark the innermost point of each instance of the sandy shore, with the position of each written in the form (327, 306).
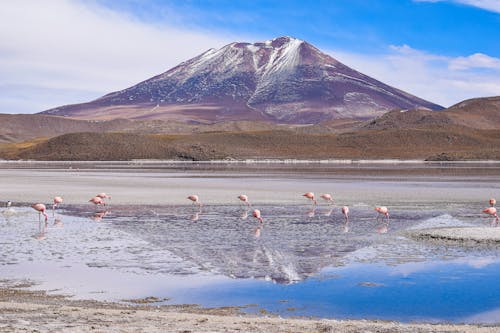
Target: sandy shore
(28, 311)
(368, 184)
(460, 235)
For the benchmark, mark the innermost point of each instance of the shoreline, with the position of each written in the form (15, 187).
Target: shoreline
(256, 161)
(35, 311)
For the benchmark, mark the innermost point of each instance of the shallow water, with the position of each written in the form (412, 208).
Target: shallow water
(300, 262)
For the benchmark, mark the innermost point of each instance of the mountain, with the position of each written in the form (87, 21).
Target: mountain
(284, 80)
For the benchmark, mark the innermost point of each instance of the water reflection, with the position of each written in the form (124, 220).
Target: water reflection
(292, 247)
(328, 212)
(346, 227)
(8, 213)
(244, 214)
(311, 212)
(382, 228)
(258, 231)
(58, 222)
(98, 216)
(195, 216)
(42, 228)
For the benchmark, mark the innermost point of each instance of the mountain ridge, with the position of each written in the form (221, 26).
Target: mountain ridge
(285, 80)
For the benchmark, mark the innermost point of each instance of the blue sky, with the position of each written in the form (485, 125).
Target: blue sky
(446, 27)
(69, 51)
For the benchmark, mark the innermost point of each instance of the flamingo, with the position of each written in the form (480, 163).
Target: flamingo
(256, 214)
(491, 211)
(57, 201)
(103, 196)
(41, 209)
(382, 211)
(97, 201)
(244, 198)
(195, 199)
(327, 197)
(345, 211)
(310, 195)
(493, 202)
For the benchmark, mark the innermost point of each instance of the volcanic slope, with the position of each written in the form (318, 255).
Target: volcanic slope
(284, 80)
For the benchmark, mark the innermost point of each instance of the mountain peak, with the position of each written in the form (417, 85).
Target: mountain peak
(284, 79)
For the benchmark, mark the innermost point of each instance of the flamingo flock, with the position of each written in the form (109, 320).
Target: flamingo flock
(99, 200)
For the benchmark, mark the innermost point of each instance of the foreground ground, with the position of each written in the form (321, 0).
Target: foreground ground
(25, 311)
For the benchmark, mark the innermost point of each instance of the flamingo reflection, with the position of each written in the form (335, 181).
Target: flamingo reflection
(42, 228)
(98, 216)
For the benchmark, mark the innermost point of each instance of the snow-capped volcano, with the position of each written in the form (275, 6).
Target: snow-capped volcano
(284, 80)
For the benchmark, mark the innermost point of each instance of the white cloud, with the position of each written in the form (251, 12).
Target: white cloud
(439, 79)
(490, 5)
(476, 60)
(63, 51)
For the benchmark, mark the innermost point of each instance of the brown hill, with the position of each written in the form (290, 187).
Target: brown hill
(26, 127)
(478, 113)
(461, 144)
(468, 130)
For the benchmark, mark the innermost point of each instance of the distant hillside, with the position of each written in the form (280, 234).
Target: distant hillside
(23, 127)
(478, 112)
(434, 144)
(468, 130)
(284, 80)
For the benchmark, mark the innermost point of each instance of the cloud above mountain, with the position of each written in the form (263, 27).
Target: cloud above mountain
(438, 78)
(63, 51)
(490, 5)
(68, 51)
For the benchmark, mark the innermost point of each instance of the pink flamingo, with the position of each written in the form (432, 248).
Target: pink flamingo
(345, 211)
(491, 211)
(97, 201)
(57, 201)
(256, 214)
(327, 197)
(310, 195)
(493, 202)
(195, 199)
(40, 208)
(103, 196)
(382, 211)
(244, 198)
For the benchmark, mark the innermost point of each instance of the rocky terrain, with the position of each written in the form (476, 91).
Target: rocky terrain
(284, 80)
